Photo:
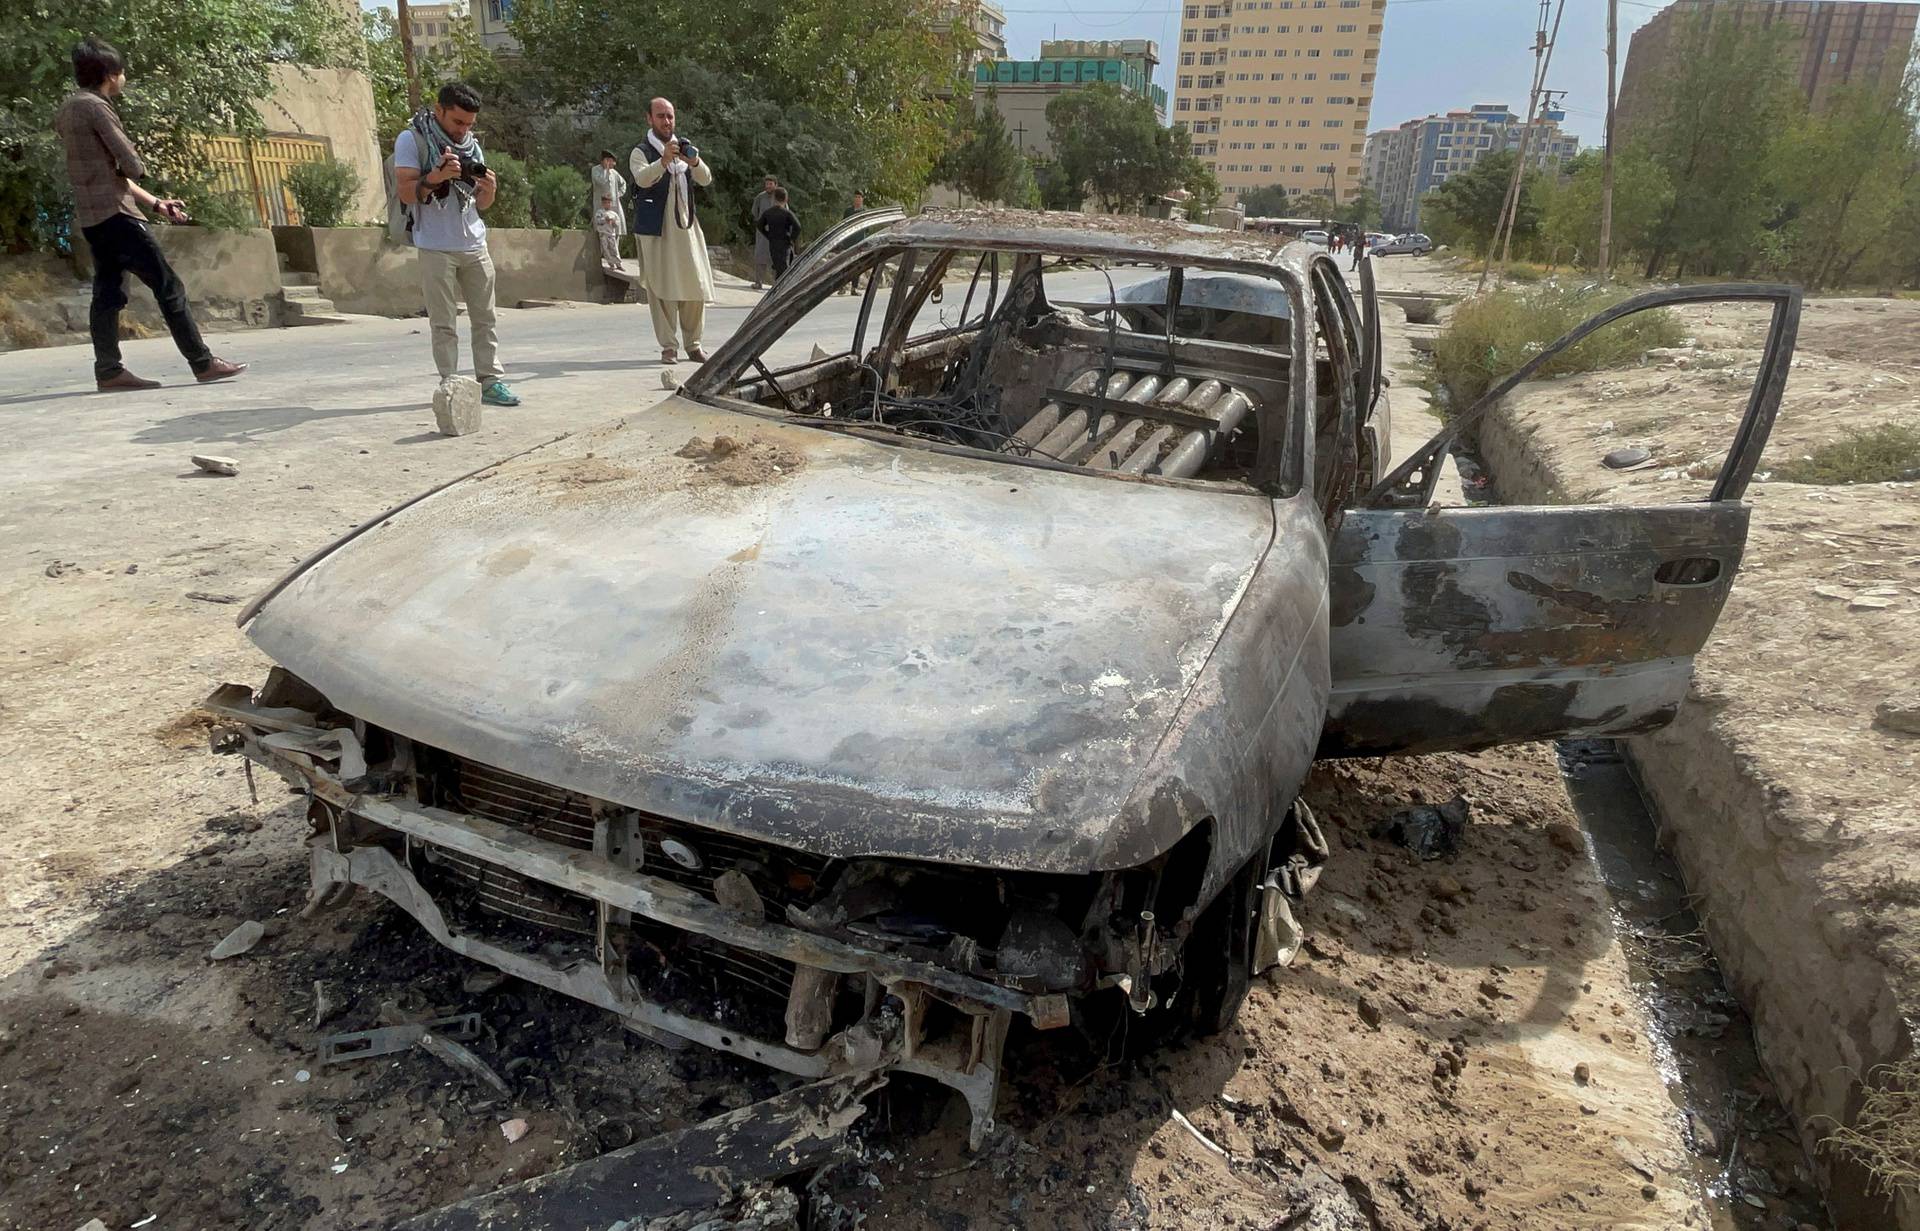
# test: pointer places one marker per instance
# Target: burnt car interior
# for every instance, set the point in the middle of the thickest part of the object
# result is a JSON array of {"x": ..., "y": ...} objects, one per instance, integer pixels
[{"x": 972, "y": 348}]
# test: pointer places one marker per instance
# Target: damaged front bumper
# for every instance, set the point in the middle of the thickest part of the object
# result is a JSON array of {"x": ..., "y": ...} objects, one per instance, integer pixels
[{"x": 908, "y": 1016}]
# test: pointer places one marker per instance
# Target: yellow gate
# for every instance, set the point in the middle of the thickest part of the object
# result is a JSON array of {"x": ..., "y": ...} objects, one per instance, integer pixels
[{"x": 255, "y": 168}]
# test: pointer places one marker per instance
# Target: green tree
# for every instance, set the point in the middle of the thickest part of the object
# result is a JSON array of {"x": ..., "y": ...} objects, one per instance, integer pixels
[
  {"x": 1715, "y": 120},
  {"x": 1267, "y": 202},
  {"x": 560, "y": 197},
  {"x": 981, "y": 158},
  {"x": 1570, "y": 207},
  {"x": 195, "y": 69},
  {"x": 1465, "y": 211},
  {"x": 831, "y": 95},
  {"x": 513, "y": 196},
  {"x": 1110, "y": 145},
  {"x": 1844, "y": 175},
  {"x": 1057, "y": 191},
  {"x": 1362, "y": 210}
]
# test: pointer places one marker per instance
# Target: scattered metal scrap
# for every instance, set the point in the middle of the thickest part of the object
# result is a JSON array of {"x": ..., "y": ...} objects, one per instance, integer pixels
[
  {"x": 386, "y": 1040},
  {"x": 676, "y": 1173}
]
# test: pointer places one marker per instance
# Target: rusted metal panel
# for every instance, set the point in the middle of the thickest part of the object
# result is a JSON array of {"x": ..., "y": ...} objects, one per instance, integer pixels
[
  {"x": 1459, "y": 628},
  {"x": 865, "y": 650},
  {"x": 692, "y": 1169}
]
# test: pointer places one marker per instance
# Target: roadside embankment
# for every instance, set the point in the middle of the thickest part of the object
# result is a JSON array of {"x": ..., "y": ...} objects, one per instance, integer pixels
[{"x": 1787, "y": 802}]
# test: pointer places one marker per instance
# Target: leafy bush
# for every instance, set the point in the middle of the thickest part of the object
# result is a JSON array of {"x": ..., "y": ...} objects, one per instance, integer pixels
[
  {"x": 559, "y": 197},
  {"x": 219, "y": 211},
  {"x": 324, "y": 191},
  {"x": 1885, "y": 453},
  {"x": 1491, "y": 336},
  {"x": 513, "y": 198}
]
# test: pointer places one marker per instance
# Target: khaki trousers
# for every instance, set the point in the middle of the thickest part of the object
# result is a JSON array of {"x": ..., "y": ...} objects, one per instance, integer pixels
[
  {"x": 448, "y": 278},
  {"x": 686, "y": 318}
]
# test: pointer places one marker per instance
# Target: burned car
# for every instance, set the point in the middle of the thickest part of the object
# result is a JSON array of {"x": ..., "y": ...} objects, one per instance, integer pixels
[{"x": 842, "y": 710}]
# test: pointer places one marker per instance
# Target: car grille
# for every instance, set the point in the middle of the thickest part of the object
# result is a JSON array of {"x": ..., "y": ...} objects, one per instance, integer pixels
[{"x": 783, "y": 877}]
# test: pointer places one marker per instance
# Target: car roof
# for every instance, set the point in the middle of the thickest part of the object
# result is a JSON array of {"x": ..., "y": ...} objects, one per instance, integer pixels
[{"x": 1123, "y": 238}]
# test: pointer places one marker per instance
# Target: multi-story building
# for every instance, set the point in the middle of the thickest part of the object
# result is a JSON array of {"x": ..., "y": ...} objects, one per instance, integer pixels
[
  {"x": 983, "y": 20},
  {"x": 432, "y": 28},
  {"x": 1405, "y": 163},
  {"x": 1021, "y": 89},
  {"x": 490, "y": 21},
  {"x": 1278, "y": 91},
  {"x": 1830, "y": 43}
]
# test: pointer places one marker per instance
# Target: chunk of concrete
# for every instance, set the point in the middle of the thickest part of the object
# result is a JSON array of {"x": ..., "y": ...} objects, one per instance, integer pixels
[
  {"x": 216, "y": 465},
  {"x": 456, "y": 406},
  {"x": 1901, "y": 713}
]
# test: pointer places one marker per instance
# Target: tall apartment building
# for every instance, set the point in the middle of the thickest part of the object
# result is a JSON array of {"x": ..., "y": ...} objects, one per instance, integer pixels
[
  {"x": 490, "y": 18},
  {"x": 432, "y": 28},
  {"x": 1278, "y": 91},
  {"x": 1830, "y": 43},
  {"x": 1403, "y": 164},
  {"x": 983, "y": 20}
]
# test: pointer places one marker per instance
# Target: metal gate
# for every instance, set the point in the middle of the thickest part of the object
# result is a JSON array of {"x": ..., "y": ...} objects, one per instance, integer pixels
[{"x": 255, "y": 169}]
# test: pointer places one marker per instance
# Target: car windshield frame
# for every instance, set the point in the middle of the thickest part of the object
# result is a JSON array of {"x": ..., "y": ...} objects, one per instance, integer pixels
[{"x": 1283, "y": 466}]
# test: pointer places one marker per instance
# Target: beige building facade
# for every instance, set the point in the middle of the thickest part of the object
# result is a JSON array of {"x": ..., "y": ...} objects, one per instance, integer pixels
[
  {"x": 1278, "y": 91},
  {"x": 433, "y": 28}
]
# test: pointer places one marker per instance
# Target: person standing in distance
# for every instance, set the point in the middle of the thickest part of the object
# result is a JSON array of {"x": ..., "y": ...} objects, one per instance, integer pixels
[
  {"x": 609, "y": 214},
  {"x": 666, "y": 227},
  {"x": 439, "y": 172},
  {"x": 762, "y": 254},
  {"x": 107, "y": 204}
]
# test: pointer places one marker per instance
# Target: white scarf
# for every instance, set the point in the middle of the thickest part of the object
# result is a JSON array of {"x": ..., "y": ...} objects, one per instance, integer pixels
[{"x": 677, "y": 167}]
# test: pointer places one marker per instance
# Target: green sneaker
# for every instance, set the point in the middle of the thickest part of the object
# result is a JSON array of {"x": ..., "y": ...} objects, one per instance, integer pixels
[{"x": 498, "y": 394}]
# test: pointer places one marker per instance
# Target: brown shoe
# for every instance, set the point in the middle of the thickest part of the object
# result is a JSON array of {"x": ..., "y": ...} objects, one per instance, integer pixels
[
  {"x": 697, "y": 354},
  {"x": 219, "y": 369},
  {"x": 124, "y": 379}
]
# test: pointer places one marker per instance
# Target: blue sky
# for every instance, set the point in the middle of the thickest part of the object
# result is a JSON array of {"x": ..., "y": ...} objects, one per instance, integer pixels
[{"x": 1436, "y": 55}]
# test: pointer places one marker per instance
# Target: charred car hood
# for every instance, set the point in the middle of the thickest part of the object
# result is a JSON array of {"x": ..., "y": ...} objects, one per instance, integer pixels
[{"x": 823, "y": 641}]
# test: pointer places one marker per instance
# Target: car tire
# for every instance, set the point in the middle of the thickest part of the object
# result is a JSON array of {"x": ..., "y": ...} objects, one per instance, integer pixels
[{"x": 1202, "y": 998}]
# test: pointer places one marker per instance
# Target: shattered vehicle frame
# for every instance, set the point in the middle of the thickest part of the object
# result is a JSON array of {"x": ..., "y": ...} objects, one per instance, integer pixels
[{"x": 836, "y": 713}]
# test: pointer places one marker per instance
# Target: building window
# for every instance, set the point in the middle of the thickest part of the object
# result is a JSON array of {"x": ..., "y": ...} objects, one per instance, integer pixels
[
  {"x": 1186, "y": 83},
  {"x": 1343, "y": 51},
  {"x": 1338, "y": 76},
  {"x": 1182, "y": 105},
  {"x": 1346, "y": 29},
  {"x": 1313, "y": 53},
  {"x": 1315, "y": 29},
  {"x": 1186, "y": 59}
]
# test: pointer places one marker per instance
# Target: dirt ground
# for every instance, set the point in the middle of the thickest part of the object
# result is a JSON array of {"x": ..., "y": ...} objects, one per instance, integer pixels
[
  {"x": 1415, "y": 1068},
  {"x": 1416, "y": 1063},
  {"x": 1790, "y": 807}
]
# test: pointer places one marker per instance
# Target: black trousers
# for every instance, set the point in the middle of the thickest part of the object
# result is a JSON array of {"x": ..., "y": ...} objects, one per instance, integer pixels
[
  {"x": 781, "y": 257},
  {"x": 123, "y": 245}
]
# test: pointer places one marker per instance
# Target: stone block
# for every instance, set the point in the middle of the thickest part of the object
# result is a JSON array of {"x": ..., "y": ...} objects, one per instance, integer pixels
[{"x": 456, "y": 406}]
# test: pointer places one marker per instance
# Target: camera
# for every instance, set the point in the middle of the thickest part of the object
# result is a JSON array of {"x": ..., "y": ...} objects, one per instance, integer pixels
[
  {"x": 472, "y": 169},
  {"x": 687, "y": 150}
]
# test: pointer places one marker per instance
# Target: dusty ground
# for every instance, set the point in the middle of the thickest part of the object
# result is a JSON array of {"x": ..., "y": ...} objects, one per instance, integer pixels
[
  {"x": 1415, "y": 1068},
  {"x": 1790, "y": 808}
]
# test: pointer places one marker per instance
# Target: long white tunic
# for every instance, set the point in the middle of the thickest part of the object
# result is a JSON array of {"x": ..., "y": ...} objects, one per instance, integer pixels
[
  {"x": 609, "y": 195},
  {"x": 674, "y": 263}
]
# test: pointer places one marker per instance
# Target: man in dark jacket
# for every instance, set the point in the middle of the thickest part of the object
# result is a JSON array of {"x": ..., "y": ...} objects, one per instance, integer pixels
[
  {"x": 107, "y": 203},
  {"x": 781, "y": 230}
]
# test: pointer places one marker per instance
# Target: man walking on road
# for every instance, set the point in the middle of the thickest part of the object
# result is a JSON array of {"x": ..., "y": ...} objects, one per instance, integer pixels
[
  {"x": 104, "y": 166},
  {"x": 779, "y": 230},
  {"x": 762, "y": 253},
  {"x": 666, "y": 226},
  {"x": 441, "y": 177},
  {"x": 859, "y": 206}
]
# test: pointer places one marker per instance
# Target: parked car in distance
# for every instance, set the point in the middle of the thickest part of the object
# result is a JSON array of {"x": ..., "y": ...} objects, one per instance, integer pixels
[
  {"x": 1315, "y": 236},
  {"x": 1414, "y": 243},
  {"x": 1377, "y": 238}
]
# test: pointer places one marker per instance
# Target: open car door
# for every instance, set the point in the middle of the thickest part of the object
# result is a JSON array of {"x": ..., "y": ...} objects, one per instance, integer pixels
[{"x": 1455, "y": 628}]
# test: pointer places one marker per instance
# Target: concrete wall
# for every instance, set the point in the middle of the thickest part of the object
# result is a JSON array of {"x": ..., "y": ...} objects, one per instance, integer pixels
[
  {"x": 362, "y": 271},
  {"x": 232, "y": 277},
  {"x": 335, "y": 103}
]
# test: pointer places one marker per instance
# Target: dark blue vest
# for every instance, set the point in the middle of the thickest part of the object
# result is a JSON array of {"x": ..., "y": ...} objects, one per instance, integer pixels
[{"x": 650, "y": 204}]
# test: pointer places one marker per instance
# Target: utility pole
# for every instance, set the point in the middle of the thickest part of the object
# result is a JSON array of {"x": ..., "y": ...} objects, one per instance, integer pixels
[
  {"x": 406, "y": 55},
  {"x": 1606, "y": 154},
  {"x": 1542, "y": 57}
]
